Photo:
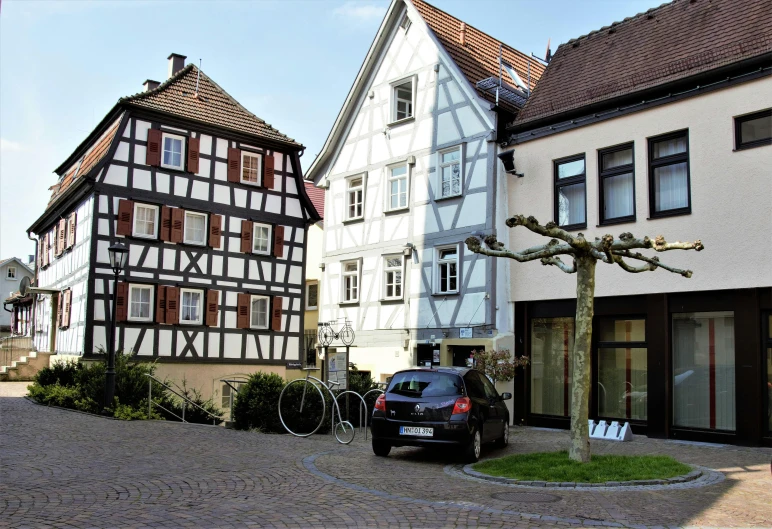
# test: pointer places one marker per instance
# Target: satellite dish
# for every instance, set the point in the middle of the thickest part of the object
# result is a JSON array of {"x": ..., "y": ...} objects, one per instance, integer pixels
[{"x": 24, "y": 286}]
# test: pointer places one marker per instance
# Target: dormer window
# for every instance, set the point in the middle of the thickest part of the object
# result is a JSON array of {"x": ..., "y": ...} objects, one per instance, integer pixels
[
  {"x": 173, "y": 152},
  {"x": 403, "y": 100},
  {"x": 11, "y": 272},
  {"x": 405, "y": 23},
  {"x": 250, "y": 168}
]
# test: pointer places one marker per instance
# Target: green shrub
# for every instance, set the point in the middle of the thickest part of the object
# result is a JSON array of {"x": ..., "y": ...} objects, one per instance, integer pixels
[
  {"x": 256, "y": 403},
  {"x": 128, "y": 413},
  {"x": 62, "y": 373},
  {"x": 57, "y": 395},
  {"x": 192, "y": 413}
]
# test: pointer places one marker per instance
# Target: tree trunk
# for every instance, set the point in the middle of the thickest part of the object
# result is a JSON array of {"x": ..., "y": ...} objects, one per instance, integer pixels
[{"x": 580, "y": 390}]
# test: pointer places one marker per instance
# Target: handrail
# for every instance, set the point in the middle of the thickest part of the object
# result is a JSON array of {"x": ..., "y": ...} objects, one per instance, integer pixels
[
  {"x": 183, "y": 397},
  {"x": 234, "y": 388}
]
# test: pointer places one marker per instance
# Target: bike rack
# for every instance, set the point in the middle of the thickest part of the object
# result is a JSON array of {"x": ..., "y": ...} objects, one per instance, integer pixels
[{"x": 361, "y": 414}]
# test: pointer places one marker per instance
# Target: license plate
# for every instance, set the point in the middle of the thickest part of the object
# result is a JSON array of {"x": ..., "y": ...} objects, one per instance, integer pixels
[{"x": 415, "y": 430}]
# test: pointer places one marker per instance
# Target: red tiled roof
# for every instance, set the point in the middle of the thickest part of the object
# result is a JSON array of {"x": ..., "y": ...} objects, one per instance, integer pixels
[
  {"x": 316, "y": 194},
  {"x": 213, "y": 105},
  {"x": 664, "y": 44}
]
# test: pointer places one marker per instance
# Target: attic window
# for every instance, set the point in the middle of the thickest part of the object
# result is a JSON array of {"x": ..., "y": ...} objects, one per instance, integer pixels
[
  {"x": 515, "y": 78},
  {"x": 405, "y": 23}
]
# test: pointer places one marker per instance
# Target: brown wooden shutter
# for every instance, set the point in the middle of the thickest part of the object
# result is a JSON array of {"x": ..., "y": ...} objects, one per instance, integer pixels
[
  {"x": 172, "y": 305},
  {"x": 215, "y": 230},
  {"x": 125, "y": 217},
  {"x": 44, "y": 255},
  {"x": 59, "y": 310},
  {"x": 193, "y": 149},
  {"x": 165, "y": 233},
  {"x": 178, "y": 222},
  {"x": 278, "y": 241},
  {"x": 268, "y": 173},
  {"x": 234, "y": 161},
  {"x": 246, "y": 236},
  {"x": 121, "y": 301},
  {"x": 160, "y": 305},
  {"x": 212, "y": 298},
  {"x": 61, "y": 236},
  {"x": 71, "y": 233},
  {"x": 276, "y": 314},
  {"x": 67, "y": 305},
  {"x": 242, "y": 314},
  {"x": 153, "y": 153}
]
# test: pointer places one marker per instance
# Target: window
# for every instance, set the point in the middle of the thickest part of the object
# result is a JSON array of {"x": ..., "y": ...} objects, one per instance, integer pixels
[
  {"x": 258, "y": 318},
  {"x": 402, "y": 97},
  {"x": 225, "y": 402},
  {"x": 355, "y": 198},
  {"x": 250, "y": 168},
  {"x": 350, "y": 281},
  {"x": 450, "y": 172},
  {"x": 173, "y": 152},
  {"x": 753, "y": 130},
  {"x": 261, "y": 238},
  {"x": 145, "y": 221},
  {"x": 570, "y": 196},
  {"x": 617, "y": 184},
  {"x": 768, "y": 345},
  {"x": 11, "y": 272},
  {"x": 447, "y": 270},
  {"x": 405, "y": 23},
  {"x": 392, "y": 277},
  {"x": 312, "y": 296},
  {"x": 397, "y": 188},
  {"x": 191, "y": 303},
  {"x": 622, "y": 369},
  {"x": 195, "y": 228},
  {"x": 669, "y": 174},
  {"x": 140, "y": 302},
  {"x": 552, "y": 343}
]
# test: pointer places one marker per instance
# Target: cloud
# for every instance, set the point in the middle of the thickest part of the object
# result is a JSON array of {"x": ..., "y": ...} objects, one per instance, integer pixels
[
  {"x": 10, "y": 146},
  {"x": 360, "y": 11}
]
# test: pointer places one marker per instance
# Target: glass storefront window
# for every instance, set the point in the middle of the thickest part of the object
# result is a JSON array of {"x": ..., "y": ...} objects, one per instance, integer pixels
[
  {"x": 769, "y": 373},
  {"x": 704, "y": 370},
  {"x": 622, "y": 369},
  {"x": 552, "y": 341}
]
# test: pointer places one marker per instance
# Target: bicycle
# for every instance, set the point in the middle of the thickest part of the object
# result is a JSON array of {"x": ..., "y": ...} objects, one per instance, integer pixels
[
  {"x": 343, "y": 430},
  {"x": 327, "y": 335}
]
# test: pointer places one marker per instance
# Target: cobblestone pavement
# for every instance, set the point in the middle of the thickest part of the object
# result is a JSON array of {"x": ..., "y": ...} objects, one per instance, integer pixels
[{"x": 66, "y": 469}]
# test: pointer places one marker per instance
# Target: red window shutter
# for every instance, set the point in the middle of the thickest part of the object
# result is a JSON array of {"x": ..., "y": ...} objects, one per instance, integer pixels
[
  {"x": 212, "y": 298},
  {"x": 121, "y": 301},
  {"x": 67, "y": 305},
  {"x": 61, "y": 236},
  {"x": 178, "y": 221},
  {"x": 172, "y": 305},
  {"x": 160, "y": 305},
  {"x": 242, "y": 314},
  {"x": 234, "y": 163},
  {"x": 125, "y": 217},
  {"x": 268, "y": 173},
  {"x": 246, "y": 236},
  {"x": 153, "y": 153},
  {"x": 60, "y": 310},
  {"x": 215, "y": 230},
  {"x": 276, "y": 314},
  {"x": 193, "y": 149},
  {"x": 165, "y": 233},
  {"x": 278, "y": 241},
  {"x": 71, "y": 233}
]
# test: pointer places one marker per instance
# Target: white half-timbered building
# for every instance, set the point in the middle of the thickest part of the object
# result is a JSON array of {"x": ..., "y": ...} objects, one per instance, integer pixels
[
  {"x": 411, "y": 170},
  {"x": 210, "y": 201}
]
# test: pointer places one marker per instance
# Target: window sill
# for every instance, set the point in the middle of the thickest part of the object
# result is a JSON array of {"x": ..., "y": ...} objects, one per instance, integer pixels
[
  {"x": 259, "y": 328},
  {"x": 391, "y": 301},
  {"x": 574, "y": 227},
  {"x": 312, "y": 308},
  {"x": 173, "y": 168},
  {"x": 349, "y": 303},
  {"x": 666, "y": 214},
  {"x": 400, "y": 122},
  {"x": 760, "y": 143},
  {"x": 397, "y": 211},
  {"x": 449, "y": 197},
  {"x": 621, "y": 220},
  {"x": 251, "y": 184},
  {"x": 442, "y": 294},
  {"x": 193, "y": 244},
  {"x": 354, "y": 221},
  {"x": 144, "y": 237}
]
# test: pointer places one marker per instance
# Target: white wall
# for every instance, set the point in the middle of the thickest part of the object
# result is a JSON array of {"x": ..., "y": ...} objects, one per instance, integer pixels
[{"x": 9, "y": 286}]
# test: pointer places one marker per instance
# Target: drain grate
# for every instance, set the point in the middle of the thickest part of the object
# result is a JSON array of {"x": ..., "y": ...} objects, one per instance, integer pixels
[{"x": 525, "y": 497}]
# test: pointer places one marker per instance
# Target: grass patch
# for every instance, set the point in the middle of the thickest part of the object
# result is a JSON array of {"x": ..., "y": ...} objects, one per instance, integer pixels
[{"x": 555, "y": 466}]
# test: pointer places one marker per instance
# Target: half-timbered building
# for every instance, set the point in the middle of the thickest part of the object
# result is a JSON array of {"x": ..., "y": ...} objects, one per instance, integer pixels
[{"x": 210, "y": 201}]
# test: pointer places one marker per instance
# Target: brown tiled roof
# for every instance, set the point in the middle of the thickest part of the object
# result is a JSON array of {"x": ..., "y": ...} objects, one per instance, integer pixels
[
  {"x": 478, "y": 58},
  {"x": 214, "y": 105},
  {"x": 316, "y": 195},
  {"x": 664, "y": 44}
]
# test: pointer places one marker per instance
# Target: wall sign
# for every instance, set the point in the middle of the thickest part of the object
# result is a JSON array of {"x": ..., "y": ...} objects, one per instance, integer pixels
[{"x": 465, "y": 332}]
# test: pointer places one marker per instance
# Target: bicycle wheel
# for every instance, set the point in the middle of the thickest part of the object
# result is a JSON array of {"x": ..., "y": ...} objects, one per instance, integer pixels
[
  {"x": 344, "y": 432},
  {"x": 347, "y": 335},
  {"x": 301, "y": 407}
]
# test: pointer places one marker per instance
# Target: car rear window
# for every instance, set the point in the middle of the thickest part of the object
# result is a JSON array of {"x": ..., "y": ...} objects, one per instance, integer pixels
[{"x": 426, "y": 384}]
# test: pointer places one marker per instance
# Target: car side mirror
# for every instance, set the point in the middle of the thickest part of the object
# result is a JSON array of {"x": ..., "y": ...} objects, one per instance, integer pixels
[{"x": 506, "y": 396}]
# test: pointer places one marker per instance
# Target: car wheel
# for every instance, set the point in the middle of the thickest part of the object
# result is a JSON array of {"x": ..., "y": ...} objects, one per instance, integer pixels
[
  {"x": 504, "y": 439},
  {"x": 473, "y": 449},
  {"x": 381, "y": 449}
]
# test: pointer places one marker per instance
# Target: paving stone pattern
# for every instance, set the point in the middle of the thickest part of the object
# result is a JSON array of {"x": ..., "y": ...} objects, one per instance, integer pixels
[{"x": 64, "y": 469}]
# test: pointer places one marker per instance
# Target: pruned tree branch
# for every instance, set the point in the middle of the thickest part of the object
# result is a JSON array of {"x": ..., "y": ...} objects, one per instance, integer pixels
[
  {"x": 473, "y": 244},
  {"x": 556, "y": 261},
  {"x": 633, "y": 269},
  {"x": 653, "y": 262},
  {"x": 627, "y": 241}
]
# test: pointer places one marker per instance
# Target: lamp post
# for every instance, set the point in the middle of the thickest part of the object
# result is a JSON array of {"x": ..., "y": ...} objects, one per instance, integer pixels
[{"x": 118, "y": 254}]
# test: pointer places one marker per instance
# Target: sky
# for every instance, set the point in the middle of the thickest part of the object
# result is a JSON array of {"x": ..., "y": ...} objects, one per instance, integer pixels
[{"x": 64, "y": 64}]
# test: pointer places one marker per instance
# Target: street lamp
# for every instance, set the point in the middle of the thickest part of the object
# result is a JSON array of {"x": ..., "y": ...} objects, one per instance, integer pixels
[{"x": 118, "y": 254}]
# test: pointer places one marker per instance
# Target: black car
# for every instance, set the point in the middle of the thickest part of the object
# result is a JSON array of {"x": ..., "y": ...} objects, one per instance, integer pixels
[{"x": 440, "y": 406}]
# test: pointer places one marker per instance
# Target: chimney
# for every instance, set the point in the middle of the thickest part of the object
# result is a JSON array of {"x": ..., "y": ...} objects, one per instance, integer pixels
[
  {"x": 462, "y": 34},
  {"x": 150, "y": 85},
  {"x": 176, "y": 63}
]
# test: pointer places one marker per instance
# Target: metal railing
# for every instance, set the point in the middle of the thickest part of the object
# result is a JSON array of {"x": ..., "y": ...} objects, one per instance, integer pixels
[
  {"x": 185, "y": 402},
  {"x": 235, "y": 388},
  {"x": 13, "y": 348}
]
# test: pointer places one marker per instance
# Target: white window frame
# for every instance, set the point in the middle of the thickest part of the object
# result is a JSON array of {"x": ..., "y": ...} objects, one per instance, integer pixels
[
  {"x": 252, "y": 300},
  {"x": 390, "y": 178},
  {"x": 357, "y": 275},
  {"x": 350, "y": 190},
  {"x": 185, "y": 228},
  {"x": 183, "y": 141},
  {"x": 387, "y": 270},
  {"x": 441, "y": 166},
  {"x": 134, "y": 232},
  {"x": 132, "y": 287},
  {"x": 438, "y": 262},
  {"x": 308, "y": 285},
  {"x": 255, "y": 226},
  {"x": 259, "y": 168},
  {"x": 11, "y": 273},
  {"x": 200, "y": 318},
  {"x": 394, "y": 100}
]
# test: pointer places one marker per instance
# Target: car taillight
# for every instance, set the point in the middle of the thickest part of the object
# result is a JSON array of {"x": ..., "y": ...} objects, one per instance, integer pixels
[
  {"x": 380, "y": 403},
  {"x": 463, "y": 405}
]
